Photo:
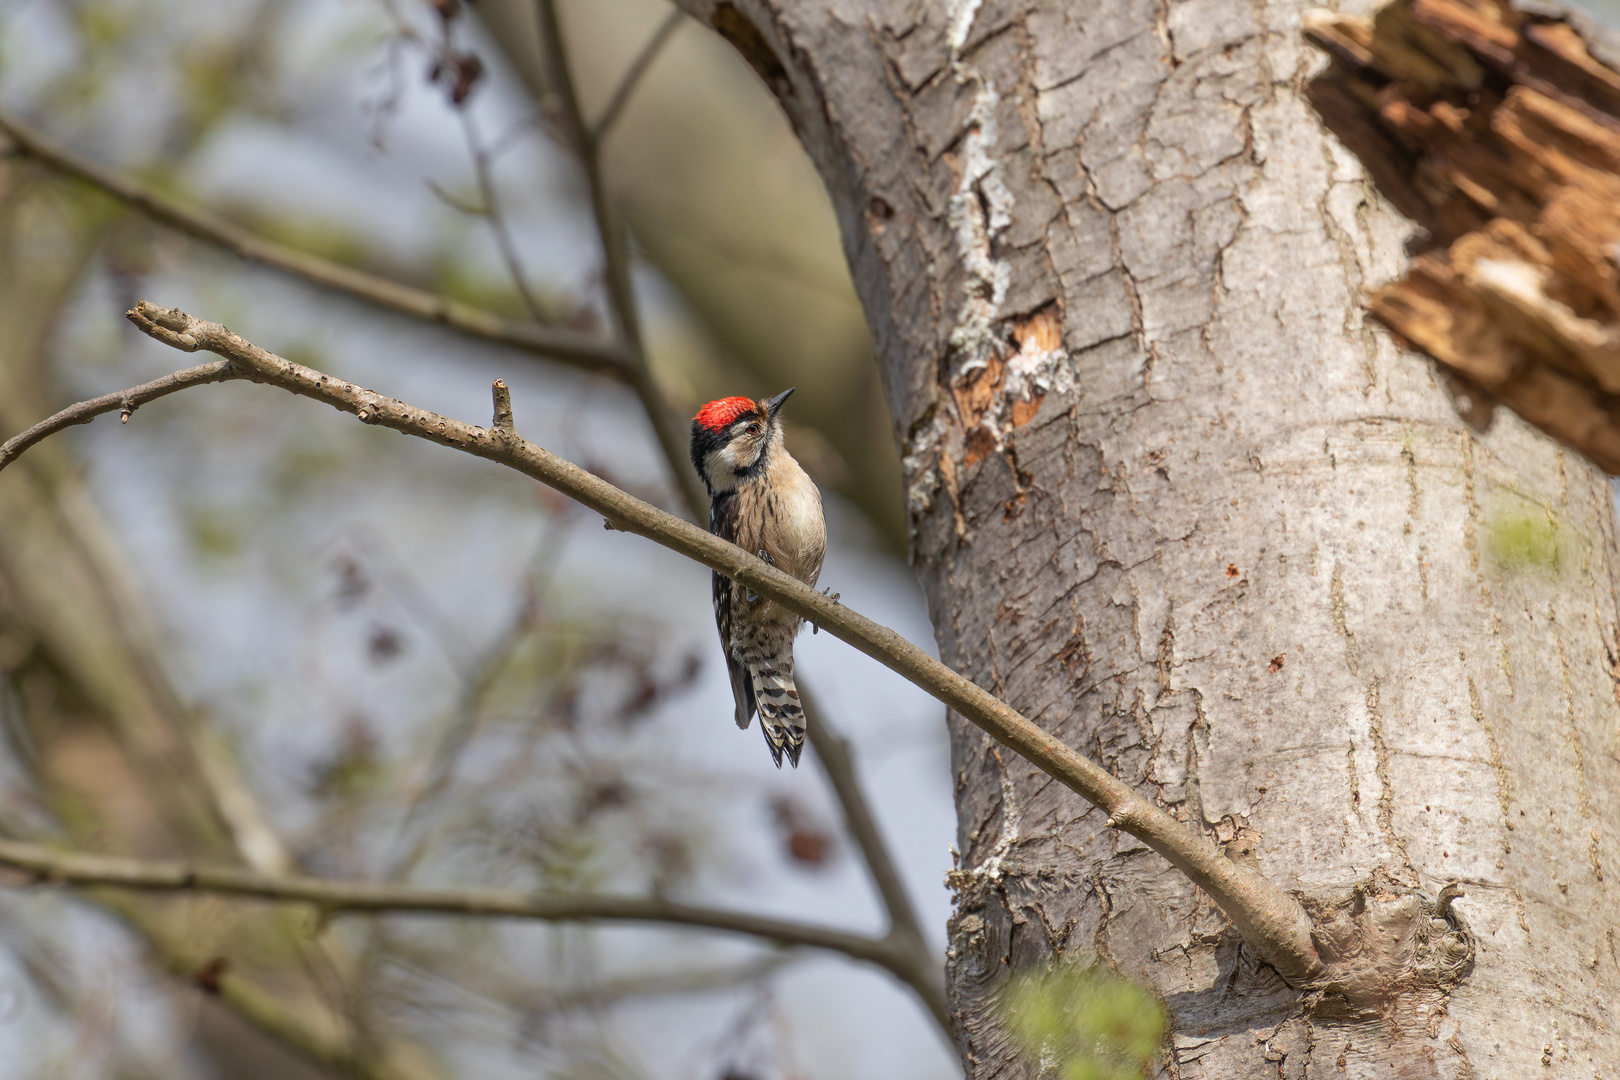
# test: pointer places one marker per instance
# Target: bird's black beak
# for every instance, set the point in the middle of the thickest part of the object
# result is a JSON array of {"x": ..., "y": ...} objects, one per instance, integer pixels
[{"x": 774, "y": 405}]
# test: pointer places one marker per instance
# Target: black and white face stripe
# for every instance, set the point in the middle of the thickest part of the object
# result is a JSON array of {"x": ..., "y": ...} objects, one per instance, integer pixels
[{"x": 726, "y": 458}]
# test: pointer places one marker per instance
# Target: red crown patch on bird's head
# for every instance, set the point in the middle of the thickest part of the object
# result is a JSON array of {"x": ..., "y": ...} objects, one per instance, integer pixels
[{"x": 721, "y": 414}]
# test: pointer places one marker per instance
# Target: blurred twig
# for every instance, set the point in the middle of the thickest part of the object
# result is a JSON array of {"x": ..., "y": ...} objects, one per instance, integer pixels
[
  {"x": 490, "y": 986},
  {"x": 335, "y": 897},
  {"x": 342, "y": 1048},
  {"x": 497, "y": 220},
  {"x": 615, "y": 240},
  {"x": 580, "y": 350},
  {"x": 633, "y": 75},
  {"x": 904, "y": 927},
  {"x": 1271, "y": 920}
]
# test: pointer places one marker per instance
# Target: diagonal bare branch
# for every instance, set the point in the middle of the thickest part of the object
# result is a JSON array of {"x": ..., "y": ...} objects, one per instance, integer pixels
[
  {"x": 571, "y": 347},
  {"x": 1271, "y": 920}
]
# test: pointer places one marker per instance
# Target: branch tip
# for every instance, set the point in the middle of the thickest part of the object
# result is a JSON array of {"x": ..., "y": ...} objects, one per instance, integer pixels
[{"x": 169, "y": 325}]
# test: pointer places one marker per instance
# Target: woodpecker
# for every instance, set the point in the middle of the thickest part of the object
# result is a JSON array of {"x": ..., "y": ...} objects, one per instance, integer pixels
[{"x": 762, "y": 501}]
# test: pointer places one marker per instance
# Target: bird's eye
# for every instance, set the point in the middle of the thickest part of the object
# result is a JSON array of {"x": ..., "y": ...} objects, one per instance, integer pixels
[{"x": 754, "y": 429}]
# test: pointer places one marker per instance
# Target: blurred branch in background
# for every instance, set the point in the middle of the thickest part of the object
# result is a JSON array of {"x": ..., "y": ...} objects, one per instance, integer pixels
[
  {"x": 833, "y": 751},
  {"x": 335, "y": 897},
  {"x": 615, "y": 240},
  {"x": 720, "y": 198},
  {"x": 905, "y": 929},
  {"x": 633, "y": 75},
  {"x": 584, "y": 351},
  {"x": 490, "y": 208},
  {"x": 115, "y": 757}
]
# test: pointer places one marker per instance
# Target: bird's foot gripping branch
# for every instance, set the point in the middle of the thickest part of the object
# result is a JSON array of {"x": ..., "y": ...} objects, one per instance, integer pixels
[{"x": 1325, "y": 947}]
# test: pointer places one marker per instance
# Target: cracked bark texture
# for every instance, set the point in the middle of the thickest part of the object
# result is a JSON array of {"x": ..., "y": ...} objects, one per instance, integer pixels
[{"x": 1171, "y": 496}]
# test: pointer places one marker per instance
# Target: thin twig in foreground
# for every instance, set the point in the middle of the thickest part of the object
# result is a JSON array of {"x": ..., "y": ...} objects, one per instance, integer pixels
[
  {"x": 579, "y": 350},
  {"x": 1272, "y": 921},
  {"x": 124, "y": 402},
  {"x": 386, "y": 898}
]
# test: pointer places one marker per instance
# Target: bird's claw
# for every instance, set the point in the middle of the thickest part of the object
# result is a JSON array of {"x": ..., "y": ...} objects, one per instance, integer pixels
[
  {"x": 815, "y": 628},
  {"x": 765, "y": 556}
]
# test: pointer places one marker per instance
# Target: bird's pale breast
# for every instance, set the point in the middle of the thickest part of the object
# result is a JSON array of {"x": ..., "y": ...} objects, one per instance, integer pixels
[{"x": 783, "y": 517}]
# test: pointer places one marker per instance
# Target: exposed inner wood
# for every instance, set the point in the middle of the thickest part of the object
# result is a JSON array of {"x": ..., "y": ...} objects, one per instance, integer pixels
[{"x": 1497, "y": 131}]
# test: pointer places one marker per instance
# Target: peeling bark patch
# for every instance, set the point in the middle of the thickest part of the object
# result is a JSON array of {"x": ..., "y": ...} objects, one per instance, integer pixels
[
  {"x": 1497, "y": 131},
  {"x": 1024, "y": 356},
  {"x": 1008, "y": 387}
]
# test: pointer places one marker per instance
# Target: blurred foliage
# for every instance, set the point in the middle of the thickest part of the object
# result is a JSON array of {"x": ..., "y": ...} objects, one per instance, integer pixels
[
  {"x": 1518, "y": 539},
  {"x": 1085, "y": 1022},
  {"x": 214, "y": 531}
]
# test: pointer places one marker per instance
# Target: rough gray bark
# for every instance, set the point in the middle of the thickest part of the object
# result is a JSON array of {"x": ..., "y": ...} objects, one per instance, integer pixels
[{"x": 1171, "y": 497}]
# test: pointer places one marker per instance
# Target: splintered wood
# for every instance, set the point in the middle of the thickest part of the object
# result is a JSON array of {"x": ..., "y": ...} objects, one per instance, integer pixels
[{"x": 1497, "y": 131}]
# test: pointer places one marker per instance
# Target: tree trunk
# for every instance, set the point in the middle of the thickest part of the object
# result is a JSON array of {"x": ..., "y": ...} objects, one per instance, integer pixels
[{"x": 1171, "y": 497}]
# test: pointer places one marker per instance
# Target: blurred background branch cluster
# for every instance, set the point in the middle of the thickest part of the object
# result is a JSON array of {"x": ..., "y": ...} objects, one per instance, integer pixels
[{"x": 234, "y": 633}]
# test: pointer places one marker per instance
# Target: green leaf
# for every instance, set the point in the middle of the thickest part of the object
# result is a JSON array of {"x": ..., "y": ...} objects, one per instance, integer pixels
[{"x": 1088, "y": 1023}]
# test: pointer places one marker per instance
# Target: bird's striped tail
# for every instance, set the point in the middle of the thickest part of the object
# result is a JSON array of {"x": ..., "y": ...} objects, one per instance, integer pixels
[{"x": 781, "y": 717}]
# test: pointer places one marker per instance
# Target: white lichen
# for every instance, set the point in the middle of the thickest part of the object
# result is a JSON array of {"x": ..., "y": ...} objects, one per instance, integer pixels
[
  {"x": 980, "y": 208},
  {"x": 1034, "y": 372},
  {"x": 918, "y": 462}
]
